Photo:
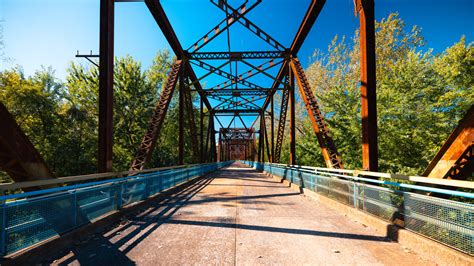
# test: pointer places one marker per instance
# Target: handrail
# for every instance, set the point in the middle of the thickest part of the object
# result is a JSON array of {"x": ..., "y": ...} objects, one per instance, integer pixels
[
  {"x": 78, "y": 178},
  {"x": 418, "y": 179}
]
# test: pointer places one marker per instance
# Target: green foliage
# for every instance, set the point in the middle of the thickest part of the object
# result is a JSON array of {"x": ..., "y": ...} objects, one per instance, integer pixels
[
  {"x": 61, "y": 119},
  {"x": 421, "y": 97}
]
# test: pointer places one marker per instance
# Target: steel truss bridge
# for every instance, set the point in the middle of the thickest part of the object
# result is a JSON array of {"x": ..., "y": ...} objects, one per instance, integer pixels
[{"x": 48, "y": 206}]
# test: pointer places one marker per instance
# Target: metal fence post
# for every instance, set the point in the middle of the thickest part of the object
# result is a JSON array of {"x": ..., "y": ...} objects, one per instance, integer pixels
[
  {"x": 147, "y": 187},
  {"x": 4, "y": 229},
  {"x": 120, "y": 195},
  {"x": 356, "y": 193},
  {"x": 75, "y": 207}
]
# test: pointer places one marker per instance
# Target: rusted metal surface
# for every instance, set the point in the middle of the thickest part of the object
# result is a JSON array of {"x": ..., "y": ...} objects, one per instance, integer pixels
[
  {"x": 281, "y": 124},
  {"x": 236, "y": 55},
  {"x": 201, "y": 129},
  {"x": 224, "y": 6},
  {"x": 18, "y": 157},
  {"x": 181, "y": 107},
  {"x": 291, "y": 81},
  {"x": 328, "y": 148},
  {"x": 224, "y": 24},
  {"x": 149, "y": 140},
  {"x": 272, "y": 129},
  {"x": 455, "y": 160},
  {"x": 365, "y": 8},
  {"x": 310, "y": 17},
  {"x": 106, "y": 82},
  {"x": 235, "y": 143},
  {"x": 162, "y": 20}
]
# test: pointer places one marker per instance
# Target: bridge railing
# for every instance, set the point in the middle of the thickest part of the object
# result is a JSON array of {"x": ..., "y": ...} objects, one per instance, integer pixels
[
  {"x": 31, "y": 217},
  {"x": 423, "y": 209}
]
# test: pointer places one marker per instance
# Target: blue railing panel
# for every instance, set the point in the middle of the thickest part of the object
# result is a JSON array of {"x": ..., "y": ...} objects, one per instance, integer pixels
[{"x": 40, "y": 215}]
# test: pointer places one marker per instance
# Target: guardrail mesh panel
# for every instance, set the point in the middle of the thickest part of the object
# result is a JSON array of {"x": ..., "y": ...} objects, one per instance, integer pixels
[
  {"x": 381, "y": 202},
  {"x": 447, "y": 221},
  {"x": 28, "y": 221},
  {"x": 95, "y": 202},
  {"x": 133, "y": 191},
  {"x": 33, "y": 221}
]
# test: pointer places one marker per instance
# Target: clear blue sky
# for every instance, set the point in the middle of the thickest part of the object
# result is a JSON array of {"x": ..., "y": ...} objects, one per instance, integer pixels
[{"x": 49, "y": 32}]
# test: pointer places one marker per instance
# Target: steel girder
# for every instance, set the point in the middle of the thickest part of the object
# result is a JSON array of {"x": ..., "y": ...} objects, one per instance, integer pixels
[
  {"x": 193, "y": 133},
  {"x": 328, "y": 148},
  {"x": 236, "y": 56},
  {"x": 281, "y": 125},
  {"x": 238, "y": 92},
  {"x": 149, "y": 140},
  {"x": 18, "y": 156}
]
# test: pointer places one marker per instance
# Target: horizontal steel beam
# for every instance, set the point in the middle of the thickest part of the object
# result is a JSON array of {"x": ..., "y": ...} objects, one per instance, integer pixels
[
  {"x": 238, "y": 92},
  {"x": 161, "y": 19},
  {"x": 236, "y": 55},
  {"x": 237, "y": 111}
]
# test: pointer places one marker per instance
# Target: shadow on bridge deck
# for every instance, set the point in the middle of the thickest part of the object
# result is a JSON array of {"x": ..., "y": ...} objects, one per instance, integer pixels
[{"x": 236, "y": 216}]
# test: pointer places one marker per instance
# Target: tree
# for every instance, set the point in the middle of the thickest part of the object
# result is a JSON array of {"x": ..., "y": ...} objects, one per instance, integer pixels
[{"x": 421, "y": 97}]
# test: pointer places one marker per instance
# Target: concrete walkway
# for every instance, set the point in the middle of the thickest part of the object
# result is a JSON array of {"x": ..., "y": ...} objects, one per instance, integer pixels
[{"x": 238, "y": 217}]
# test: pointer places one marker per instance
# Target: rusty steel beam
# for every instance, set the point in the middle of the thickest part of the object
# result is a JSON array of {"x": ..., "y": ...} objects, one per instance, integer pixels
[
  {"x": 231, "y": 78},
  {"x": 248, "y": 74},
  {"x": 223, "y": 25},
  {"x": 237, "y": 111},
  {"x": 310, "y": 17},
  {"x": 201, "y": 129},
  {"x": 266, "y": 139},
  {"x": 158, "y": 13},
  {"x": 291, "y": 81},
  {"x": 147, "y": 145},
  {"x": 213, "y": 141},
  {"x": 230, "y": 101},
  {"x": 281, "y": 124},
  {"x": 260, "y": 140},
  {"x": 224, "y": 6},
  {"x": 181, "y": 107},
  {"x": 454, "y": 159},
  {"x": 236, "y": 56},
  {"x": 242, "y": 104},
  {"x": 193, "y": 133},
  {"x": 328, "y": 148},
  {"x": 261, "y": 71},
  {"x": 238, "y": 92},
  {"x": 365, "y": 8},
  {"x": 106, "y": 81},
  {"x": 272, "y": 130},
  {"x": 18, "y": 156}
]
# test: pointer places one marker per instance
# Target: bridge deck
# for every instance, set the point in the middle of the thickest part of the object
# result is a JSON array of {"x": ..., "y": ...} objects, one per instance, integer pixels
[{"x": 237, "y": 216}]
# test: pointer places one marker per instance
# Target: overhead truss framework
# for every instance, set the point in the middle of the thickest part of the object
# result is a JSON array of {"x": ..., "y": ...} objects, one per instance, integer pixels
[
  {"x": 240, "y": 91},
  {"x": 239, "y": 95}
]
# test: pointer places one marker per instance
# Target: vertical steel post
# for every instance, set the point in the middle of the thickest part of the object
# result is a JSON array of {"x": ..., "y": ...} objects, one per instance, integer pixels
[
  {"x": 106, "y": 81},
  {"x": 291, "y": 81},
  {"x": 272, "y": 128},
  {"x": 260, "y": 145},
  {"x": 368, "y": 84},
  {"x": 181, "y": 119},
  {"x": 201, "y": 128},
  {"x": 212, "y": 139},
  {"x": 219, "y": 148}
]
